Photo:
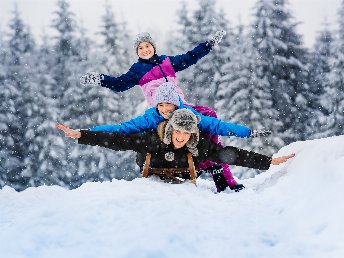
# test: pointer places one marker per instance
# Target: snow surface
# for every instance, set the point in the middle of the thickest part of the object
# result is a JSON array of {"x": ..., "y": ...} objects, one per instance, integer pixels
[{"x": 292, "y": 210}]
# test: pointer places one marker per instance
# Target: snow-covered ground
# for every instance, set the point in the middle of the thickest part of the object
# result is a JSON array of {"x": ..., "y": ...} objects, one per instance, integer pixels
[{"x": 292, "y": 210}]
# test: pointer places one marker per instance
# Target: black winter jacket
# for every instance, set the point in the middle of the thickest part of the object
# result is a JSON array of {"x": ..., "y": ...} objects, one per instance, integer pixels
[{"x": 150, "y": 142}]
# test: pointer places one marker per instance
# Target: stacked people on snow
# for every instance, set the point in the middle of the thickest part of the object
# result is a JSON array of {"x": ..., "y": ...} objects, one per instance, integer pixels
[
  {"x": 172, "y": 141},
  {"x": 151, "y": 70},
  {"x": 166, "y": 100}
]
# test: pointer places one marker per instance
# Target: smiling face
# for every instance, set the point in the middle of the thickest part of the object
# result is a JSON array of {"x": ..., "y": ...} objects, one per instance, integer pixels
[
  {"x": 145, "y": 50},
  {"x": 180, "y": 138},
  {"x": 164, "y": 108}
]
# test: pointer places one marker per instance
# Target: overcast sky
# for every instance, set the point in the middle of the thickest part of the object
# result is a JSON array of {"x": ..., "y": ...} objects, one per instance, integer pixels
[{"x": 159, "y": 16}]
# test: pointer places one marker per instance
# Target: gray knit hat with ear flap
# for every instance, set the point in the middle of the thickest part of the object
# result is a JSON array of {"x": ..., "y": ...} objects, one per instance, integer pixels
[
  {"x": 143, "y": 37},
  {"x": 166, "y": 93},
  {"x": 184, "y": 120}
]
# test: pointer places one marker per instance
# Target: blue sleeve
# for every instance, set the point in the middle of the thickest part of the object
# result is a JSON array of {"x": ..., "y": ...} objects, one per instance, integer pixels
[
  {"x": 121, "y": 83},
  {"x": 181, "y": 62},
  {"x": 150, "y": 120},
  {"x": 216, "y": 126}
]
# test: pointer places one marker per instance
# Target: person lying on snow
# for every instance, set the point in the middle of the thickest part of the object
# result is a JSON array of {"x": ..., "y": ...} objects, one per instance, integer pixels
[
  {"x": 172, "y": 141},
  {"x": 151, "y": 70},
  {"x": 166, "y": 100}
]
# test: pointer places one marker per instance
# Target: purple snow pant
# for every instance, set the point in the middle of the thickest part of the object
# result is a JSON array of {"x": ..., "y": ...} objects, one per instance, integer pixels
[{"x": 207, "y": 111}]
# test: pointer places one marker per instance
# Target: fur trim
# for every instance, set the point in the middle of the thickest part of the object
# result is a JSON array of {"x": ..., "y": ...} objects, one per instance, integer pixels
[
  {"x": 168, "y": 133},
  {"x": 161, "y": 130}
]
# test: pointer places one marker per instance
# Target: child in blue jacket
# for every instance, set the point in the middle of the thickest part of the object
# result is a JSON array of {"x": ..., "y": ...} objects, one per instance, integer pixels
[{"x": 166, "y": 97}]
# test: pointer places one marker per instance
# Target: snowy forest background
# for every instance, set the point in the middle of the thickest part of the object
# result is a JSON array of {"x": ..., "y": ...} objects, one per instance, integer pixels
[{"x": 260, "y": 75}]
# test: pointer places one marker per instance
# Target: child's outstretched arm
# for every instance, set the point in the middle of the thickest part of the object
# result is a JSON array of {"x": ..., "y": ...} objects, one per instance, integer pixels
[
  {"x": 215, "y": 126},
  {"x": 181, "y": 62},
  {"x": 148, "y": 121},
  {"x": 118, "y": 84}
]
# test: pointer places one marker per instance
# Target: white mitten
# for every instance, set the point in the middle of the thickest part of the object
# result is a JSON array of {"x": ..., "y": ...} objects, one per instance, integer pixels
[
  {"x": 216, "y": 39},
  {"x": 91, "y": 78}
]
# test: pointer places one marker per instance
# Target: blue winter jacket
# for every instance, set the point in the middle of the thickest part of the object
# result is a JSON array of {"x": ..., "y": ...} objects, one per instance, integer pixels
[{"x": 151, "y": 119}]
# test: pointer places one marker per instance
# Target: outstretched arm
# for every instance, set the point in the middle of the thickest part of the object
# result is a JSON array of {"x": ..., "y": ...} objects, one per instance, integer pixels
[
  {"x": 115, "y": 141},
  {"x": 181, "y": 62},
  {"x": 235, "y": 156},
  {"x": 118, "y": 84},
  {"x": 239, "y": 157},
  {"x": 150, "y": 120},
  {"x": 215, "y": 126}
]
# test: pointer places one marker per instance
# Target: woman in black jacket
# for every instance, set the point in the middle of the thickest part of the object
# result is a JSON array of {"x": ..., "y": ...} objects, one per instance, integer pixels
[{"x": 172, "y": 141}]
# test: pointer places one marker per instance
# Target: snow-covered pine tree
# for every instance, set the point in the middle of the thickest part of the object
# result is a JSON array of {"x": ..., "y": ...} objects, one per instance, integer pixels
[
  {"x": 73, "y": 101},
  {"x": 116, "y": 43},
  {"x": 201, "y": 81},
  {"x": 46, "y": 145},
  {"x": 336, "y": 81},
  {"x": 7, "y": 115},
  {"x": 107, "y": 107},
  {"x": 283, "y": 62},
  {"x": 117, "y": 54},
  {"x": 204, "y": 23},
  {"x": 18, "y": 92},
  {"x": 222, "y": 56},
  {"x": 109, "y": 33},
  {"x": 180, "y": 43},
  {"x": 245, "y": 98},
  {"x": 133, "y": 97},
  {"x": 321, "y": 121},
  {"x": 66, "y": 51}
]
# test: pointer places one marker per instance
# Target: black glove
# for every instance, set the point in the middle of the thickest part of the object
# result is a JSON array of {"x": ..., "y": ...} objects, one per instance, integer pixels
[
  {"x": 216, "y": 39},
  {"x": 91, "y": 78},
  {"x": 260, "y": 133},
  {"x": 237, "y": 187}
]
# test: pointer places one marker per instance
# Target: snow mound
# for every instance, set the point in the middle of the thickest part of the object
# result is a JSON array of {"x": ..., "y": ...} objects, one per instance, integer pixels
[{"x": 291, "y": 210}]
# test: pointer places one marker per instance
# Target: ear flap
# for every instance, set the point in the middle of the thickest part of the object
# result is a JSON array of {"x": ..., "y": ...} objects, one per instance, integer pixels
[
  {"x": 192, "y": 143},
  {"x": 161, "y": 130},
  {"x": 168, "y": 133}
]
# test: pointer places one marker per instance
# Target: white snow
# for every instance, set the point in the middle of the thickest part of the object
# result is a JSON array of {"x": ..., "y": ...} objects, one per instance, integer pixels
[{"x": 292, "y": 210}]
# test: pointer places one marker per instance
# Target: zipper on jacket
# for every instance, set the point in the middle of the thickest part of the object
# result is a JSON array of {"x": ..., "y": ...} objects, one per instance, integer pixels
[{"x": 163, "y": 73}]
